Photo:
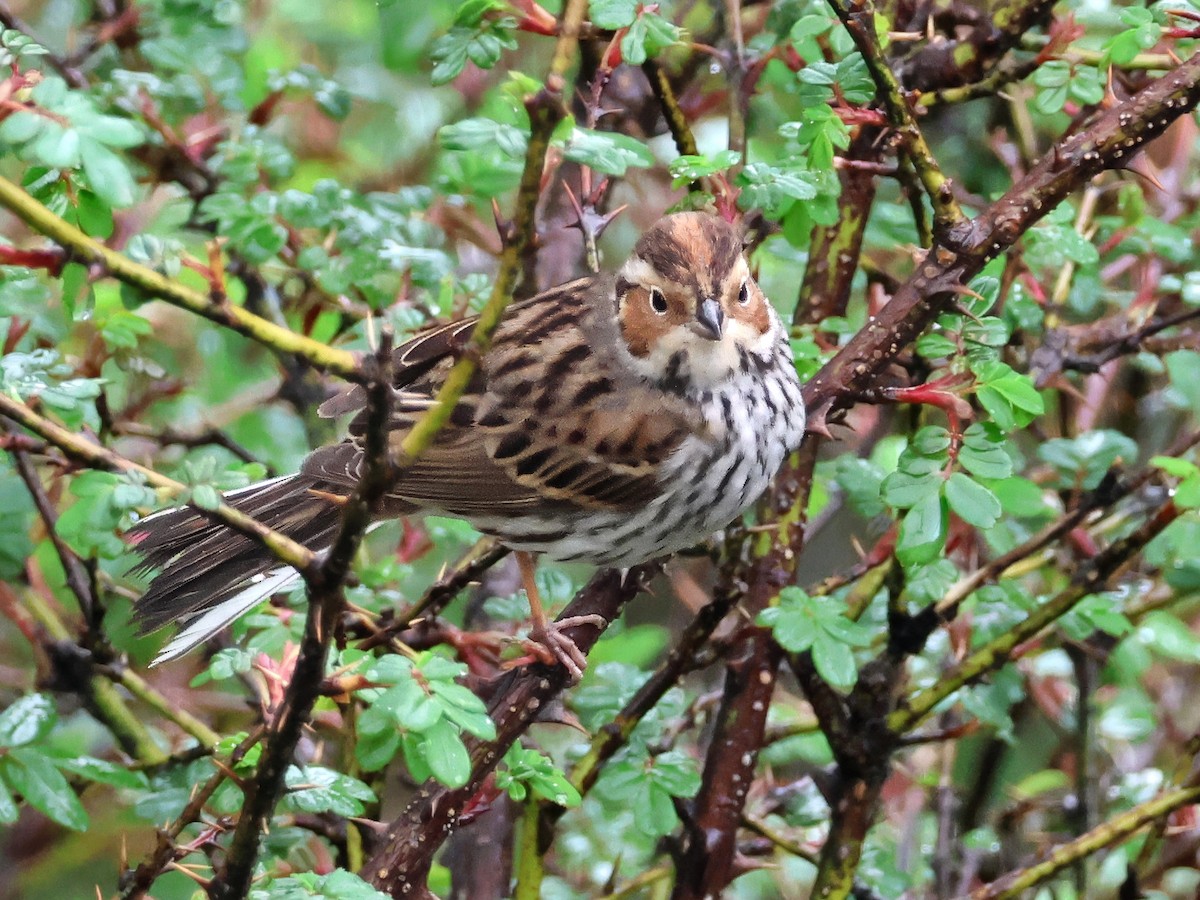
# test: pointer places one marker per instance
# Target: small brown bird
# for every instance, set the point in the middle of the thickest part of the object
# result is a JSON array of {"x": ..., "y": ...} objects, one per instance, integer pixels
[{"x": 615, "y": 419}]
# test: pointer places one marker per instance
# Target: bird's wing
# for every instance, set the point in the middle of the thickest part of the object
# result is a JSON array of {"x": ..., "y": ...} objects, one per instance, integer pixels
[{"x": 548, "y": 420}]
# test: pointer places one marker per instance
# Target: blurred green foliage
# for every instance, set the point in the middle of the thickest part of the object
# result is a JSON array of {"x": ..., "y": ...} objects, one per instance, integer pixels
[{"x": 338, "y": 163}]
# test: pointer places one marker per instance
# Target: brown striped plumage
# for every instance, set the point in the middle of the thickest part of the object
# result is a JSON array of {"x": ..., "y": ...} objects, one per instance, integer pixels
[{"x": 614, "y": 419}]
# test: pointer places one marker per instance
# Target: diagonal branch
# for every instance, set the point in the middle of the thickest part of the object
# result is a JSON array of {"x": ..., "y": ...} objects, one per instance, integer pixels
[
  {"x": 1108, "y": 142},
  {"x": 83, "y": 248},
  {"x": 1090, "y": 579},
  {"x": 546, "y": 110},
  {"x": 1119, "y": 828},
  {"x": 97, "y": 457}
]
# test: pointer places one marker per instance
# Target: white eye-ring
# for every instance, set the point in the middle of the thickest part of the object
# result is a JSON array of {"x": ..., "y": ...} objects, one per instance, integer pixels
[
  {"x": 658, "y": 302},
  {"x": 744, "y": 294}
]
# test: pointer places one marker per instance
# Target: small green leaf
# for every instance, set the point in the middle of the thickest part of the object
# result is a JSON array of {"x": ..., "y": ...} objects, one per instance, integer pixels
[
  {"x": 922, "y": 531},
  {"x": 862, "y": 481},
  {"x": 1173, "y": 465},
  {"x": 27, "y": 720},
  {"x": 648, "y": 35},
  {"x": 103, "y": 772},
  {"x": 800, "y": 622},
  {"x": 336, "y": 885},
  {"x": 983, "y": 451},
  {"x": 935, "y": 345},
  {"x": 676, "y": 772},
  {"x": 1010, "y": 398},
  {"x": 833, "y": 663},
  {"x": 108, "y": 175},
  {"x": 971, "y": 501},
  {"x": 44, "y": 788},
  {"x": 444, "y": 752},
  {"x": 902, "y": 490},
  {"x": 607, "y": 151},
  {"x": 613, "y": 14},
  {"x": 315, "y": 789},
  {"x": 522, "y": 768},
  {"x": 692, "y": 168},
  {"x": 8, "y": 806},
  {"x": 1187, "y": 495}
]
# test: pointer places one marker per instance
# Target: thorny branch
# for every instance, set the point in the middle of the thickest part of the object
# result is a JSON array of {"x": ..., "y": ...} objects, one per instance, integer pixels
[
  {"x": 1107, "y": 142},
  {"x": 326, "y": 601},
  {"x": 954, "y": 259}
]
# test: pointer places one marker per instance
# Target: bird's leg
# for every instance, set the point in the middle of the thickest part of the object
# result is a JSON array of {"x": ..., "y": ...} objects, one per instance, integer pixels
[{"x": 548, "y": 642}]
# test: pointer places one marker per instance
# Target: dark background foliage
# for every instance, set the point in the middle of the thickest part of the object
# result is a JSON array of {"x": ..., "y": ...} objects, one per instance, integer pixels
[{"x": 957, "y": 633}]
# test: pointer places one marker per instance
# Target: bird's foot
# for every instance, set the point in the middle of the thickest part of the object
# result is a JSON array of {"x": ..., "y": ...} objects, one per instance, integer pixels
[{"x": 550, "y": 645}]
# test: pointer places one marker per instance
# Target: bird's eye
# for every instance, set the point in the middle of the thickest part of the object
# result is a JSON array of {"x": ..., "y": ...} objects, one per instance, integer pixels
[
  {"x": 744, "y": 293},
  {"x": 658, "y": 302}
]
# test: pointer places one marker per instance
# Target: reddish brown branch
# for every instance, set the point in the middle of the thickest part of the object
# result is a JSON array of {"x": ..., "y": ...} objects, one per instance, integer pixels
[
  {"x": 709, "y": 858},
  {"x": 1107, "y": 142}
]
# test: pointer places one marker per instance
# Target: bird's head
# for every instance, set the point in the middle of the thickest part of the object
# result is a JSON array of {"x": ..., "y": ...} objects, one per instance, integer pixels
[{"x": 689, "y": 313}]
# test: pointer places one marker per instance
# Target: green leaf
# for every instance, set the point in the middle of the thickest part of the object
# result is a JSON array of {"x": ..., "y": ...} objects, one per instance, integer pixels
[
  {"x": 902, "y": 490},
  {"x": 1023, "y": 498},
  {"x": 8, "y": 806},
  {"x": 1096, "y": 612},
  {"x": 27, "y": 720},
  {"x": 1173, "y": 465},
  {"x": 862, "y": 481},
  {"x": 775, "y": 189},
  {"x": 686, "y": 168},
  {"x": 613, "y": 14},
  {"x": 1167, "y": 636},
  {"x": 522, "y": 768},
  {"x": 648, "y": 36},
  {"x": 1183, "y": 368},
  {"x": 607, "y": 151},
  {"x": 927, "y": 584},
  {"x": 833, "y": 663},
  {"x": 1010, "y": 398},
  {"x": 108, "y": 175},
  {"x": 480, "y": 134},
  {"x": 376, "y": 749},
  {"x": 800, "y": 622},
  {"x": 205, "y": 496},
  {"x": 922, "y": 531},
  {"x": 315, "y": 789},
  {"x": 983, "y": 452},
  {"x": 1084, "y": 460},
  {"x": 336, "y": 885},
  {"x": 444, "y": 752},
  {"x": 935, "y": 345},
  {"x": 1187, "y": 495},
  {"x": 654, "y": 811},
  {"x": 481, "y": 43},
  {"x": 103, "y": 772},
  {"x": 991, "y": 703},
  {"x": 931, "y": 440},
  {"x": 677, "y": 773},
  {"x": 35, "y": 778},
  {"x": 971, "y": 501}
]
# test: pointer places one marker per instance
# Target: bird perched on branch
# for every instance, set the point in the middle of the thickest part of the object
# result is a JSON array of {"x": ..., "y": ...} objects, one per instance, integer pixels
[{"x": 614, "y": 419}]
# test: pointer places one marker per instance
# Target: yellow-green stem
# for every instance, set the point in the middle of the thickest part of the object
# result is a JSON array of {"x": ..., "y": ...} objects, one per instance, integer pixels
[{"x": 83, "y": 248}]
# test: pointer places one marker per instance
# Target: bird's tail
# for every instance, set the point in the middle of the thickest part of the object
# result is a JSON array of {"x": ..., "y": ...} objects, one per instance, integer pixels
[{"x": 208, "y": 574}]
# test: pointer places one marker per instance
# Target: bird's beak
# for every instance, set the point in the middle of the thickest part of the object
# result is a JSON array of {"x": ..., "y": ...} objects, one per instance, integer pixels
[{"x": 711, "y": 318}]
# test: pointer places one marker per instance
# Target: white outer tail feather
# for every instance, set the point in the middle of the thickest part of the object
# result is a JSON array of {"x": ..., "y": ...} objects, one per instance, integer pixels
[{"x": 212, "y": 621}]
